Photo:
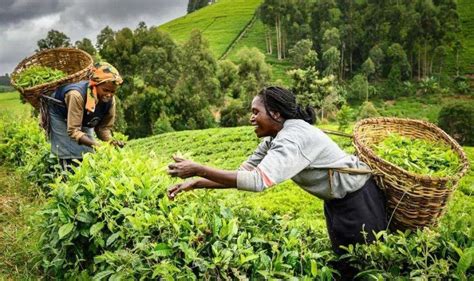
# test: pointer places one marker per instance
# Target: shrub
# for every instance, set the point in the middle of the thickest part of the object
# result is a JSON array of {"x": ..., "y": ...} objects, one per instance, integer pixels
[
  {"x": 367, "y": 110},
  {"x": 344, "y": 117},
  {"x": 234, "y": 114},
  {"x": 457, "y": 120}
]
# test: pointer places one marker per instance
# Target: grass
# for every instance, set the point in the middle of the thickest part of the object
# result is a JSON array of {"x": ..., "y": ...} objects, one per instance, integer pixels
[
  {"x": 11, "y": 102},
  {"x": 220, "y": 23},
  {"x": 18, "y": 248}
]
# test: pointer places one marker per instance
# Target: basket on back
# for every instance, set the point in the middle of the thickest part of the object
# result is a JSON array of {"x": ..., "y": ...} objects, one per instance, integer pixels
[
  {"x": 74, "y": 62},
  {"x": 413, "y": 201}
]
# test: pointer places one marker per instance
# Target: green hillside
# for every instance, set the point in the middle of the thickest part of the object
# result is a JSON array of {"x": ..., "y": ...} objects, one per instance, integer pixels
[
  {"x": 224, "y": 21},
  {"x": 221, "y": 23},
  {"x": 466, "y": 14}
]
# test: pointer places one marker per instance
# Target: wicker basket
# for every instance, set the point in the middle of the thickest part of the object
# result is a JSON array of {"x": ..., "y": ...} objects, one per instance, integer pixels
[
  {"x": 413, "y": 201},
  {"x": 74, "y": 62}
]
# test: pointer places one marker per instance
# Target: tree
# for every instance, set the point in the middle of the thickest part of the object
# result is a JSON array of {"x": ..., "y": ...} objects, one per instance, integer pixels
[
  {"x": 54, "y": 39},
  {"x": 105, "y": 36},
  {"x": 194, "y": 5},
  {"x": 398, "y": 60},
  {"x": 331, "y": 59},
  {"x": 318, "y": 92},
  {"x": 272, "y": 12},
  {"x": 227, "y": 74},
  {"x": 368, "y": 67},
  {"x": 302, "y": 55},
  {"x": 377, "y": 56},
  {"x": 253, "y": 73},
  {"x": 86, "y": 45},
  {"x": 197, "y": 88}
]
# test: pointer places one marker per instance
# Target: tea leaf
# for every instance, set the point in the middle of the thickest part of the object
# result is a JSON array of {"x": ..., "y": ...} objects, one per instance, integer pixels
[{"x": 65, "y": 230}]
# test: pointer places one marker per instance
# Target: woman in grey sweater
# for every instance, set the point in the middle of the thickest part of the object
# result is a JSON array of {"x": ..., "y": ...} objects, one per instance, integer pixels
[{"x": 292, "y": 148}]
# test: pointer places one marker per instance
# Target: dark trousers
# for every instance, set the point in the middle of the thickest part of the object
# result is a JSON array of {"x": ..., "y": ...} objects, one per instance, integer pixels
[{"x": 346, "y": 218}]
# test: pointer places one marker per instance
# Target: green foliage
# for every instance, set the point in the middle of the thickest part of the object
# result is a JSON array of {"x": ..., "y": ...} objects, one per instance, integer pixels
[
  {"x": 235, "y": 114},
  {"x": 113, "y": 219},
  {"x": 419, "y": 156},
  {"x": 302, "y": 54},
  {"x": 322, "y": 93},
  {"x": 23, "y": 145},
  {"x": 429, "y": 86},
  {"x": 368, "y": 67},
  {"x": 227, "y": 74},
  {"x": 197, "y": 87},
  {"x": 37, "y": 75},
  {"x": 456, "y": 119},
  {"x": 194, "y": 5},
  {"x": 162, "y": 125},
  {"x": 86, "y": 45},
  {"x": 344, "y": 117},
  {"x": 54, "y": 39},
  {"x": 254, "y": 73},
  {"x": 358, "y": 89},
  {"x": 367, "y": 110}
]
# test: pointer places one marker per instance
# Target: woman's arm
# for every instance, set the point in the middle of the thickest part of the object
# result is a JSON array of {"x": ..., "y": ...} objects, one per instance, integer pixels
[
  {"x": 185, "y": 169},
  {"x": 193, "y": 184}
]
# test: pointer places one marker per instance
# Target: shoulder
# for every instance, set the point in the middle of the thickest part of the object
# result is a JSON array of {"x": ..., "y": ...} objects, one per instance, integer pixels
[
  {"x": 299, "y": 131},
  {"x": 74, "y": 95}
]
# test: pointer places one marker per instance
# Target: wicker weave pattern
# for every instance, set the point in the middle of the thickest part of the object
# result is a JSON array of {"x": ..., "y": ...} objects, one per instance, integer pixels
[
  {"x": 418, "y": 200},
  {"x": 74, "y": 62}
]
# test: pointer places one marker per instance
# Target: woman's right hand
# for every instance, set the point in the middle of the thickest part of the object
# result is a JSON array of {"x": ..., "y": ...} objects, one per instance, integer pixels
[{"x": 180, "y": 187}]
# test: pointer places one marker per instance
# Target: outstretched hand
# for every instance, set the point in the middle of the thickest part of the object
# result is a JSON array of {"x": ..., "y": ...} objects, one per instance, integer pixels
[
  {"x": 180, "y": 187},
  {"x": 117, "y": 143},
  {"x": 183, "y": 168}
]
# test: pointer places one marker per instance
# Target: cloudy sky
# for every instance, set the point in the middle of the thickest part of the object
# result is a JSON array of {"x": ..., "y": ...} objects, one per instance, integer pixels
[{"x": 24, "y": 22}]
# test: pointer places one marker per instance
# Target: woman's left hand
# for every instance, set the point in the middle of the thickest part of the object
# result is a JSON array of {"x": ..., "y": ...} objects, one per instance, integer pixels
[{"x": 183, "y": 168}]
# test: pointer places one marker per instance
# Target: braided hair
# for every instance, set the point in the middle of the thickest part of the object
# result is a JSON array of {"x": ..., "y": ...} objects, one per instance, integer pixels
[{"x": 276, "y": 99}]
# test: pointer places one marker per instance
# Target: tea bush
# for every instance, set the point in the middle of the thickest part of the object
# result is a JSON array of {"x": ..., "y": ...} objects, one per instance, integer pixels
[
  {"x": 113, "y": 219},
  {"x": 23, "y": 145}
]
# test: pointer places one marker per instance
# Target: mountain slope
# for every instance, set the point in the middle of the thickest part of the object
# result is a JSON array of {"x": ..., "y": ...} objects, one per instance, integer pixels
[{"x": 221, "y": 23}]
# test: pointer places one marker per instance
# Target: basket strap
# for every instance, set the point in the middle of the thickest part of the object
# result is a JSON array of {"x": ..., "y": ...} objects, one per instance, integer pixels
[{"x": 348, "y": 171}]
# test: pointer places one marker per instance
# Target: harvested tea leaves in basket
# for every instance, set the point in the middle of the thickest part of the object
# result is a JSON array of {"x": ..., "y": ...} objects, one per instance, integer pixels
[
  {"x": 418, "y": 156},
  {"x": 37, "y": 75}
]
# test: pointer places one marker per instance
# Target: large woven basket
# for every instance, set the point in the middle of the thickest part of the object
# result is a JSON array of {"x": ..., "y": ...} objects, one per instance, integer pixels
[
  {"x": 413, "y": 201},
  {"x": 74, "y": 62}
]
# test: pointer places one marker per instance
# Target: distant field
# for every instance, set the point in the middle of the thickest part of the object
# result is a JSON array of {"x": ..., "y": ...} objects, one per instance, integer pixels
[
  {"x": 220, "y": 23},
  {"x": 11, "y": 102}
]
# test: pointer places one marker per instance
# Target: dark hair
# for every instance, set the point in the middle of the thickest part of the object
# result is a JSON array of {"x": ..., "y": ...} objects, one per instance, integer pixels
[{"x": 281, "y": 100}]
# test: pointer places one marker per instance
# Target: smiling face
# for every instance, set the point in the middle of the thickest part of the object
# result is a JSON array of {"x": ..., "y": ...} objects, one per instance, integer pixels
[
  {"x": 262, "y": 121},
  {"x": 106, "y": 91}
]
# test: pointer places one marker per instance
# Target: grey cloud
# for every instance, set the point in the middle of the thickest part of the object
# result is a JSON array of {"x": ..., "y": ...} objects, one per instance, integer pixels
[
  {"x": 24, "y": 22},
  {"x": 15, "y": 11}
]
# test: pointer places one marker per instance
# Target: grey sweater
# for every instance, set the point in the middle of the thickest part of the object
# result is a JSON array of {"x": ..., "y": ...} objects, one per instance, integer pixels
[{"x": 303, "y": 153}]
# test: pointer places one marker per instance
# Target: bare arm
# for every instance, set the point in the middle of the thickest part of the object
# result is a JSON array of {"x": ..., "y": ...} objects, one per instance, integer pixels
[{"x": 210, "y": 177}]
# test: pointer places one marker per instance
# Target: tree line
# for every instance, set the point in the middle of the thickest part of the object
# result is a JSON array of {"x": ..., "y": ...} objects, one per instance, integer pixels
[
  {"x": 170, "y": 87},
  {"x": 412, "y": 37}
]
